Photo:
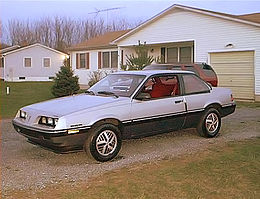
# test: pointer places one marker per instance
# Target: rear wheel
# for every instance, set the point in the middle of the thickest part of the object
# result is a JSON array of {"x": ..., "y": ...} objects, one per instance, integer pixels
[
  {"x": 210, "y": 123},
  {"x": 103, "y": 142}
]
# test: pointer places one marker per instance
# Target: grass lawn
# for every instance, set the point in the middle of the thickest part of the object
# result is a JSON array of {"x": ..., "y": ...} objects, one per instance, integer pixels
[
  {"x": 22, "y": 94},
  {"x": 231, "y": 171},
  {"x": 241, "y": 104}
]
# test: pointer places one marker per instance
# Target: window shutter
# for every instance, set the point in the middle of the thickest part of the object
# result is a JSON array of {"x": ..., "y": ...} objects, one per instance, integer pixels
[
  {"x": 99, "y": 60},
  {"x": 87, "y": 61},
  {"x": 77, "y": 61}
]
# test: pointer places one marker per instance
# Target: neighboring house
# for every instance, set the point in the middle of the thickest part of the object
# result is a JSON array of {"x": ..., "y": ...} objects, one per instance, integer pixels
[
  {"x": 35, "y": 62},
  {"x": 230, "y": 43}
]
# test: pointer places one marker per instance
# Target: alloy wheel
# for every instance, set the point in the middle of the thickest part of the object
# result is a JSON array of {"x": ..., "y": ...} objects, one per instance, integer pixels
[
  {"x": 106, "y": 142},
  {"x": 212, "y": 122}
]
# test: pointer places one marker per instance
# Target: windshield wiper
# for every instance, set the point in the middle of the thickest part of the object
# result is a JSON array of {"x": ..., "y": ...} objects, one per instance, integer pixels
[
  {"x": 108, "y": 93},
  {"x": 89, "y": 92}
]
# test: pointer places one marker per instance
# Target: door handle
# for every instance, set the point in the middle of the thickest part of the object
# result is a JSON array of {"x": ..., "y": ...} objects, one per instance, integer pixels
[{"x": 178, "y": 101}]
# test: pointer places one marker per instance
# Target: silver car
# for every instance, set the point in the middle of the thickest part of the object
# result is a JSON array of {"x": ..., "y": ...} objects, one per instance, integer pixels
[{"x": 125, "y": 105}]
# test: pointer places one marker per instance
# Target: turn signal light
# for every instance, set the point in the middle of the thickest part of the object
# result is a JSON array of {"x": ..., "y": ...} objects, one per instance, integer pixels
[{"x": 232, "y": 98}]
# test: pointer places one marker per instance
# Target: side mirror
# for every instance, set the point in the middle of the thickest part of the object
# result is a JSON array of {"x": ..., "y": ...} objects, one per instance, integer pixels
[{"x": 143, "y": 96}]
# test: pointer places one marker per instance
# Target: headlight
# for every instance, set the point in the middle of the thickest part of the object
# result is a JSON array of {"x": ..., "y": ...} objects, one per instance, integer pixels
[
  {"x": 23, "y": 114},
  {"x": 49, "y": 121}
]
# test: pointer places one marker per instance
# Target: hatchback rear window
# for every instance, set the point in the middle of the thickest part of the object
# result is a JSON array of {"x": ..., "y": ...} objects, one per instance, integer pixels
[{"x": 207, "y": 69}]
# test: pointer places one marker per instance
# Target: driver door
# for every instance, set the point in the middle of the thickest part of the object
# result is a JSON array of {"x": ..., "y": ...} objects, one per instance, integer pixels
[{"x": 164, "y": 111}]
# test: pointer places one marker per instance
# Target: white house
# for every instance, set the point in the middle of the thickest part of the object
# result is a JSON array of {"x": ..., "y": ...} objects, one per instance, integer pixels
[
  {"x": 94, "y": 54},
  {"x": 229, "y": 43},
  {"x": 30, "y": 63}
]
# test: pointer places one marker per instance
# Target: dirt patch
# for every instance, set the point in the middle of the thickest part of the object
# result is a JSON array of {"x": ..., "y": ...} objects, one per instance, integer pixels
[{"x": 25, "y": 166}]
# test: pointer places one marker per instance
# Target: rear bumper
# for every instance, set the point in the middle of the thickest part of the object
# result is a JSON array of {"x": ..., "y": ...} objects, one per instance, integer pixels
[
  {"x": 227, "y": 110},
  {"x": 58, "y": 142}
]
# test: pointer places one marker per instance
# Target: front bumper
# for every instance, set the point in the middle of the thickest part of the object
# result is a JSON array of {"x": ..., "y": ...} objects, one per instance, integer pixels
[{"x": 60, "y": 142}]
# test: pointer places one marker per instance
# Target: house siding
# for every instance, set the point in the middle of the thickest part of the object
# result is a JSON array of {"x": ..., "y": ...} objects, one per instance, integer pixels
[
  {"x": 84, "y": 73},
  {"x": 208, "y": 33},
  {"x": 14, "y": 64}
]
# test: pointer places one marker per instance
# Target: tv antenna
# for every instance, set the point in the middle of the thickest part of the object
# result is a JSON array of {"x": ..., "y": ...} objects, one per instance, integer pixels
[{"x": 104, "y": 10}]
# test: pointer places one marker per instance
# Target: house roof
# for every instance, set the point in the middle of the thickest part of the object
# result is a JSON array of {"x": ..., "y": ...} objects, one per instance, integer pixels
[
  {"x": 30, "y": 46},
  {"x": 102, "y": 41},
  {"x": 254, "y": 17},
  {"x": 251, "y": 19},
  {"x": 8, "y": 49}
]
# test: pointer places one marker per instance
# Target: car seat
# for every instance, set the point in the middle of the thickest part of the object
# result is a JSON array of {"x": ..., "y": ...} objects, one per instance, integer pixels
[{"x": 159, "y": 89}]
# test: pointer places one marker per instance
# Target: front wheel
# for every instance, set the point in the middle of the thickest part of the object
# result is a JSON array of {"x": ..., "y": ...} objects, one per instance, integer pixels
[
  {"x": 103, "y": 143},
  {"x": 210, "y": 123}
]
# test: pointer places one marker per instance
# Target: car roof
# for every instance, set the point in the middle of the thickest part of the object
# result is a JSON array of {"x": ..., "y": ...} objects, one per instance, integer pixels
[{"x": 153, "y": 72}]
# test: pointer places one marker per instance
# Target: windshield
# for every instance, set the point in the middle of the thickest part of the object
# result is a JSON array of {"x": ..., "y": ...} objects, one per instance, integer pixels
[{"x": 118, "y": 84}]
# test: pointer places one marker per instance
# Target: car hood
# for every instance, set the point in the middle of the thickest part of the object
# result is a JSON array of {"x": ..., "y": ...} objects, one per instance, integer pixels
[{"x": 66, "y": 105}]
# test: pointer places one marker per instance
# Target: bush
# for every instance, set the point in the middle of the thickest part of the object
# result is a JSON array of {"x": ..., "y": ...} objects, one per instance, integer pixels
[
  {"x": 65, "y": 83},
  {"x": 95, "y": 76},
  {"x": 140, "y": 60}
]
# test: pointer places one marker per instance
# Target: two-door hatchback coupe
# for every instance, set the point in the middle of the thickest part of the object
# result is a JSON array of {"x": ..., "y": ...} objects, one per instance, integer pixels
[{"x": 125, "y": 105}]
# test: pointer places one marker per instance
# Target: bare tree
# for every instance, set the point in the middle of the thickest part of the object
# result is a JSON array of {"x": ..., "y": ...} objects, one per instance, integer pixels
[{"x": 60, "y": 32}]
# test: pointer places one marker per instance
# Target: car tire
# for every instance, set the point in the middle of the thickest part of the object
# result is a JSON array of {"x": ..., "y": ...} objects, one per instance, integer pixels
[
  {"x": 210, "y": 123},
  {"x": 103, "y": 143}
]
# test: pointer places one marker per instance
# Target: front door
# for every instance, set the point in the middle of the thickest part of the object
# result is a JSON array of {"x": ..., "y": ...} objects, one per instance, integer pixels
[{"x": 164, "y": 111}]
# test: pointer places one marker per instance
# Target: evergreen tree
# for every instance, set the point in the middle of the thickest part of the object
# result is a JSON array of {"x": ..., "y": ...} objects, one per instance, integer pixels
[{"x": 65, "y": 83}]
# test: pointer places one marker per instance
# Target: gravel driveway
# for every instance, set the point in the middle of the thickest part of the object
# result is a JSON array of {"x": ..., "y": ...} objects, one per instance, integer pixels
[{"x": 27, "y": 166}]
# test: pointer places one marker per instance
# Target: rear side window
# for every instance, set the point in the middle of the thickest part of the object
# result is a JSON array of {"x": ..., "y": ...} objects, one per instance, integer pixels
[
  {"x": 193, "y": 84},
  {"x": 207, "y": 69}
]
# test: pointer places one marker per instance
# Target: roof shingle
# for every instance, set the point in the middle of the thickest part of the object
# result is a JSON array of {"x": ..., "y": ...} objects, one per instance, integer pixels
[{"x": 101, "y": 41}]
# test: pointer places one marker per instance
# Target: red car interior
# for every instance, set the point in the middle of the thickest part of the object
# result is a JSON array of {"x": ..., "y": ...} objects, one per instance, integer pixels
[{"x": 160, "y": 90}]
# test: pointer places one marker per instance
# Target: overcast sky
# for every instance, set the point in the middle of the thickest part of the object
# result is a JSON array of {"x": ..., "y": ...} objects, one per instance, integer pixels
[{"x": 131, "y": 9}]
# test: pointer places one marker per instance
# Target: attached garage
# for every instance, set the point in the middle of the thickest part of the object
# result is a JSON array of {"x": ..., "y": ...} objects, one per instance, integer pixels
[{"x": 235, "y": 70}]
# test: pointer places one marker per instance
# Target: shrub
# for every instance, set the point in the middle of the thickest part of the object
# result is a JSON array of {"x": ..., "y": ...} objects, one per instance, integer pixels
[
  {"x": 141, "y": 59},
  {"x": 65, "y": 83},
  {"x": 95, "y": 76}
]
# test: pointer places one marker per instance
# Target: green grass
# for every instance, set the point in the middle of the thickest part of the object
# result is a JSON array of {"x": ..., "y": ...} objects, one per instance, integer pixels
[
  {"x": 241, "y": 104},
  {"x": 229, "y": 172},
  {"x": 22, "y": 94}
]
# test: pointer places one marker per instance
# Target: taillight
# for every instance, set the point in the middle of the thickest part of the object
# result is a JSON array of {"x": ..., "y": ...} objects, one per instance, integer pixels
[{"x": 232, "y": 98}]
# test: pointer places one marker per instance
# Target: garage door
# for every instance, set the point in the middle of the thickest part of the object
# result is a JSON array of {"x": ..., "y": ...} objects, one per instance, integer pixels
[{"x": 235, "y": 70}]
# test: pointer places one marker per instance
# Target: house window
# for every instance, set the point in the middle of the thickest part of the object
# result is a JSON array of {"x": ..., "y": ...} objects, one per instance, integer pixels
[
  {"x": 1, "y": 62},
  {"x": 172, "y": 55},
  {"x": 114, "y": 59},
  {"x": 179, "y": 54},
  {"x": 82, "y": 62},
  {"x": 46, "y": 62},
  {"x": 105, "y": 59},
  {"x": 185, "y": 54},
  {"x": 27, "y": 61},
  {"x": 109, "y": 59}
]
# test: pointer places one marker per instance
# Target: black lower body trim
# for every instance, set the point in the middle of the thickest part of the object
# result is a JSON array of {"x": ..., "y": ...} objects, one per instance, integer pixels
[
  {"x": 57, "y": 142},
  {"x": 227, "y": 110}
]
